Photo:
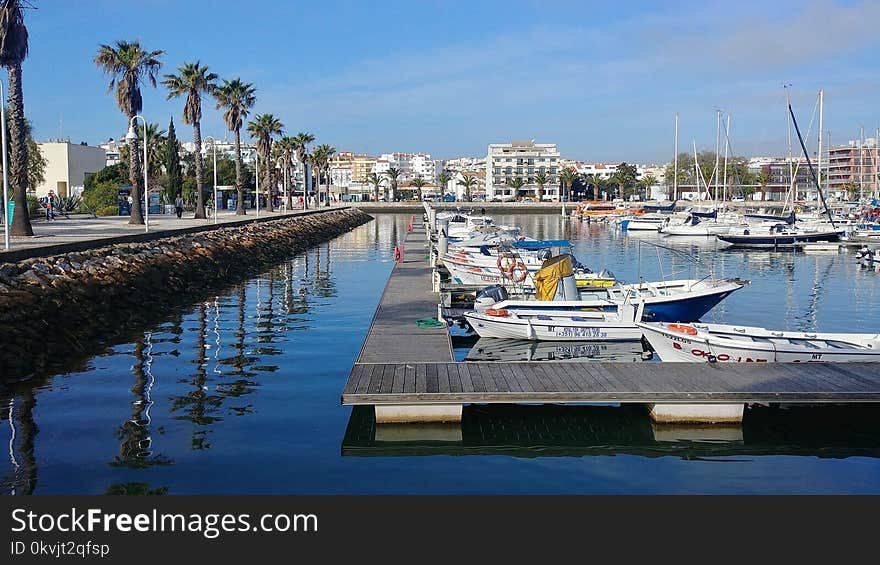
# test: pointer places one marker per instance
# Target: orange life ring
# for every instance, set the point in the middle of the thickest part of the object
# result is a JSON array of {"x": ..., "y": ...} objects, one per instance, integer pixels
[
  {"x": 519, "y": 272},
  {"x": 506, "y": 262},
  {"x": 500, "y": 313},
  {"x": 682, "y": 329}
]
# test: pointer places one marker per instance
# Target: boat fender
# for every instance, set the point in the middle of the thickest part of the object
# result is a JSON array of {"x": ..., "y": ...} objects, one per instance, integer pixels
[
  {"x": 682, "y": 329},
  {"x": 409, "y": 228},
  {"x": 500, "y": 313},
  {"x": 519, "y": 272},
  {"x": 398, "y": 254}
]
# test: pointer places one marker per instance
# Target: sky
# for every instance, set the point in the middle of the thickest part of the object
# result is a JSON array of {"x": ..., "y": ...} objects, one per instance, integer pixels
[{"x": 603, "y": 80}]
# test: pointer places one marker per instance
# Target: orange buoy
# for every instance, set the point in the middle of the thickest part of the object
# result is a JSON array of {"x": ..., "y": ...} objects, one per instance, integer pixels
[
  {"x": 519, "y": 272},
  {"x": 398, "y": 254},
  {"x": 682, "y": 329},
  {"x": 500, "y": 313}
]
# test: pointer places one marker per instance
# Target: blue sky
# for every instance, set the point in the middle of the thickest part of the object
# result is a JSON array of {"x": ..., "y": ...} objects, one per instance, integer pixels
[{"x": 602, "y": 79}]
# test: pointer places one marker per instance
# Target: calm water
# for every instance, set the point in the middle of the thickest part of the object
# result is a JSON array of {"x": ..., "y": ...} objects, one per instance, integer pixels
[{"x": 240, "y": 394}]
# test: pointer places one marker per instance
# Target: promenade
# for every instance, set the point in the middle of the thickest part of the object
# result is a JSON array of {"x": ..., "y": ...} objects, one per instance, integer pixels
[{"x": 82, "y": 231}]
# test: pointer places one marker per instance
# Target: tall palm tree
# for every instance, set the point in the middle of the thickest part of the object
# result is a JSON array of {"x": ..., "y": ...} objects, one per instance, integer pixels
[
  {"x": 264, "y": 128},
  {"x": 301, "y": 143},
  {"x": 128, "y": 64},
  {"x": 156, "y": 148},
  {"x": 392, "y": 174},
  {"x": 284, "y": 149},
  {"x": 376, "y": 181},
  {"x": 14, "y": 50},
  {"x": 541, "y": 179},
  {"x": 193, "y": 80},
  {"x": 763, "y": 179},
  {"x": 567, "y": 176},
  {"x": 419, "y": 183},
  {"x": 443, "y": 180},
  {"x": 468, "y": 181},
  {"x": 238, "y": 98},
  {"x": 320, "y": 159},
  {"x": 516, "y": 184},
  {"x": 648, "y": 182}
]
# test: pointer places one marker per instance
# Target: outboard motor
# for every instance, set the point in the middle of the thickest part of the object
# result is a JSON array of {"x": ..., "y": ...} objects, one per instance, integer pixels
[{"x": 490, "y": 295}]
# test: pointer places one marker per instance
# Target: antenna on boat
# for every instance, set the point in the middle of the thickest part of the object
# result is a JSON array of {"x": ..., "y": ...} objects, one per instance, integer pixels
[{"x": 809, "y": 162}]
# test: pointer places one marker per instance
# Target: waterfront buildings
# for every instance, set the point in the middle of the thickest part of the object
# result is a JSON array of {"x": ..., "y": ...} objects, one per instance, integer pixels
[
  {"x": 853, "y": 170},
  {"x": 67, "y": 165},
  {"x": 506, "y": 162}
]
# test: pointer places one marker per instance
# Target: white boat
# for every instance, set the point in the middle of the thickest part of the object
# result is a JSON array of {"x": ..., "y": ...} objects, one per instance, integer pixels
[
  {"x": 462, "y": 227},
  {"x": 744, "y": 344},
  {"x": 645, "y": 222},
  {"x": 562, "y": 325}
]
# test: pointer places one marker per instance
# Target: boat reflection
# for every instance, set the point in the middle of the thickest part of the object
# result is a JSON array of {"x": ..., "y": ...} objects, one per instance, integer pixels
[
  {"x": 830, "y": 431},
  {"x": 492, "y": 349}
]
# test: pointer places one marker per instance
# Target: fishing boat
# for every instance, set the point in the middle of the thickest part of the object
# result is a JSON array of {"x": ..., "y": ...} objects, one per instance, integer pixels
[
  {"x": 509, "y": 322},
  {"x": 744, "y": 344},
  {"x": 516, "y": 350},
  {"x": 672, "y": 300}
]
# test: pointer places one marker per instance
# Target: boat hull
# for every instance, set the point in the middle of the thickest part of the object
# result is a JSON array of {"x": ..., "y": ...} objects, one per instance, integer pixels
[
  {"x": 771, "y": 241},
  {"x": 552, "y": 330}
]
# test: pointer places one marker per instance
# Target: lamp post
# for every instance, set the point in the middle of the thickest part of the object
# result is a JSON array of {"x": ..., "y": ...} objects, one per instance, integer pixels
[
  {"x": 132, "y": 136},
  {"x": 214, "y": 147},
  {"x": 6, "y": 219},
  {"x": 257, "y": 181}
]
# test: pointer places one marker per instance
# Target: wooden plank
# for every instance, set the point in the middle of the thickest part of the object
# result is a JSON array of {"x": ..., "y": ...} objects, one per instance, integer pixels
[
  {"x": 476, "y": 373},
  {"x": 421, "y": 378},
  {"x": 443, "y": 377},
  {"x": 387, "y": 379},
  {"x": 455, "y": 381},
  {"x": 353, "y": 379},
  {"x": 498, "y": 379},
  {"x": 467, "y": 381},
  {"x": 510, "y": 381},
  {"x": 366, "y": 377},
  {"x": 519, "y": 374},
  {"x": 431, "y": 382},
  {"x": 409, "y": 379},
  {"x": 399, "y": 378},
  {"x": 551, "y": 377},
  {"x": 582, "y": 381}
]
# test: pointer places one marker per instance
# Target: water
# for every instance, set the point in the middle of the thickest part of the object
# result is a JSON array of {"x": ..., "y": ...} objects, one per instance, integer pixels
[{"x": 240, "y": 394}]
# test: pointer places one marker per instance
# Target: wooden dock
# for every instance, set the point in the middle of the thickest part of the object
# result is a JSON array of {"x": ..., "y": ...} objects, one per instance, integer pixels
[{"x": 407, "y": 371}]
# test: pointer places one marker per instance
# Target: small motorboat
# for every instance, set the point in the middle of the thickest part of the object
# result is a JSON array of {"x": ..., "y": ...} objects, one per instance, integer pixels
[
  {"x": 558, "y": 325},
  {"x": 646, "y": 222},
  {"x": 745, "y": 344}
]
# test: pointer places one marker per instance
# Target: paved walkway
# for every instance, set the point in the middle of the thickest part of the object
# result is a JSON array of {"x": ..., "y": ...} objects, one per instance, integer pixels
[{"x": 82, "y": 229}]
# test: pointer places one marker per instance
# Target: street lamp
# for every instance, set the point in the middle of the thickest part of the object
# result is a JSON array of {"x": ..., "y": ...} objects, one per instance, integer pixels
[
  {"x": 257, "y": 181},
  {"x": 5, "y": 172},
  {"x": 214, "y": 147},
  {"x": 132, "y": 136}
]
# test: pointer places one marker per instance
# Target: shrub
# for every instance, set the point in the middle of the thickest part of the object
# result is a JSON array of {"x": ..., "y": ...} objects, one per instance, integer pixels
[
  {"x": 101, "y": 195},
  {"x": 34, "y": 207},
  {"x": 110, "y": 210}
]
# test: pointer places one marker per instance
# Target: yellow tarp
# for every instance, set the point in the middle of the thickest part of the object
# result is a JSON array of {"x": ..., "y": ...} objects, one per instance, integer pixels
[{"x": 548, "y": 276}]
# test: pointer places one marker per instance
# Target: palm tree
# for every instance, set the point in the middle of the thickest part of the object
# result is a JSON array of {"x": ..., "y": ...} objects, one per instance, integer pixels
[
  {"x": 419, "y": 182},
  {"x": 376, "y": 181},
  {"x": 263, "y": 128},
  {"x": 193, "y": 80},
  {"x": 468, "y": 181},
  {"x": 648, "y": 182},
  {"x": 541, "y": 179},
  {"x": 320, "y": 158},
  {"x": 128, "y": 64},
  {"x": 301, "y": 147},
  {"x": 156, "y": 149},
  {"x": 567, "y": 176},
  {"x": 392, "y": 174},
  {"x": 443, "y": 180},
  {"x": 238, "y": 98},
  {"x": 516, "y": 184},
  {"x": 13, "y": 51},
  {"x": 284, "y": 150},
  {"x": 763, "y": 179}
]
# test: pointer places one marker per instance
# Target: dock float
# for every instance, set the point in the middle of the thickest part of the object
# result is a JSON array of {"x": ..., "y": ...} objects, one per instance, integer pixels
[{"x": 407, "y": 372}]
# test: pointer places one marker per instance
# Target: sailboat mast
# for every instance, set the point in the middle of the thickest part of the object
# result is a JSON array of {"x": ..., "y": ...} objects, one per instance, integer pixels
[
  {"x": 717, "y": 153},
  {"x": 697, "y": 171},
  {"x": 810, "y": 166},
  {"x": 675, "y": 166},
  {"x": 790, "y": 156},
  {"x": 819, "y": 158},
  {"x": 861, "y": 163},
  {"x": 726, "y": 151}
]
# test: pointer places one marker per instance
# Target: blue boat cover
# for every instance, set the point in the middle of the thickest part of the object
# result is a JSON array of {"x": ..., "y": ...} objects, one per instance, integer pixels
[{"x": 541, "y": 243}]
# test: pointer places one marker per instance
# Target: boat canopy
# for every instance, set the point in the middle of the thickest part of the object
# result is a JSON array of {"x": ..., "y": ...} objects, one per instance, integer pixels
[
  {"x": 659, "y": 208},
  {"x": 550, "y": 274},
  {"x": 541, "y": 243}
]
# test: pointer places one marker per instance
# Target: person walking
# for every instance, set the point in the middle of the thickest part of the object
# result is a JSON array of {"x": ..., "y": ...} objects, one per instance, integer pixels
[
  {"x": 50, "y": 206},
  {"x": 178, "y": 206}
]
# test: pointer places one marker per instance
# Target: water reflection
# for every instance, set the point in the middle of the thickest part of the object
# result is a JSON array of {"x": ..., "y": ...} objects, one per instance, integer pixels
[
  {"x": 580, "y": 431},
  {"x": 513, "y": 350}
]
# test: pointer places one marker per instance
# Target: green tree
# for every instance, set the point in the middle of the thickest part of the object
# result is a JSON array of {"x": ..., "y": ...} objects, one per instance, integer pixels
[
  {"x": 647, "y": 182},
  {"x": 264, "y": 128},
  {"x": 301, "y": 144},
  {"x": 468, "y": 181},
  {"x": 13, "y": 51},
  {"x": 419, "y": 183},
  {"x": 284, "y": 150},
  {"x": 516, "y": 184},
  {"x": 193, "y": 80},
  {"x": 392, "y": 174},
  {"x": 237, "y": 98},
  {"x": 443, "y": 181},
  {"x": 763, "y": 179},
  {"x": 624, "y": 177},
  {"x": 376, "y": 181},
  {"x": 541, "y": 179},
  {"x": 567, "y": 176},
  {"x": 174, "y": 183},
  {"x": 128, "y": 65},
  {"x": 320, "y": 160}
]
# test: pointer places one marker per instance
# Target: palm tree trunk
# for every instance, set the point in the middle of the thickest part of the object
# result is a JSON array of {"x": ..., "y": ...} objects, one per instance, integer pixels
[
  {"x": 302, "y": 162},
  {"x": 239, "y": 188},
  {"x": 288, "y": 176},
  {"x": 21, "y": 222},
  {"x": 268, "y": 183},
  {"x": 136, "y": 178},
  {"x": 200, "y": 168}
]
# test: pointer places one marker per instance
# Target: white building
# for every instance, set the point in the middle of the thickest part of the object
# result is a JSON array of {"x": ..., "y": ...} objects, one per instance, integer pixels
[
  {"x": 524, "y": 160},
  {"x": 112, "y": 149},
  {"x": 410, "y": 165},
  {"x": 67, "y": 165}
]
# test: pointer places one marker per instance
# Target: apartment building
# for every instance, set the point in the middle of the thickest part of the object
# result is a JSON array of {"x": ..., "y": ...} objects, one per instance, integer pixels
[
  {"x": 854, "y": 168},
  {"x": 524, "y": 160}
]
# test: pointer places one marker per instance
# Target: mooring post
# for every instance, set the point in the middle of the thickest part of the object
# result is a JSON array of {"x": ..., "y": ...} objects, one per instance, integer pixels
[
  {"x": 719, "y": 413},
  {"x": 427, "y": 413}
]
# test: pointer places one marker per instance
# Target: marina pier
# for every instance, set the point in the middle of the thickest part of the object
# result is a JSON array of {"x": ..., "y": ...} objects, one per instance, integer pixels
[{"x": 408, "y": 374}]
